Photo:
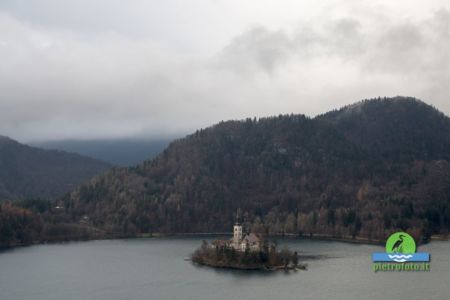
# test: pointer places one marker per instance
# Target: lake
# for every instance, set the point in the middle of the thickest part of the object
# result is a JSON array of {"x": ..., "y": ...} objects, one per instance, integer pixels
[{"x": 156, "y": 269}]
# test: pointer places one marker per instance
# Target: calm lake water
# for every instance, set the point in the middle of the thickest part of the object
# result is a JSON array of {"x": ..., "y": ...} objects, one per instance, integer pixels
[{"x": 156, "y": 269}]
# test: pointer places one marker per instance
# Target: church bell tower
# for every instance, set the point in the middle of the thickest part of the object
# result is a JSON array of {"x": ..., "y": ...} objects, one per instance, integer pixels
[{"x": 237, "y": 231}]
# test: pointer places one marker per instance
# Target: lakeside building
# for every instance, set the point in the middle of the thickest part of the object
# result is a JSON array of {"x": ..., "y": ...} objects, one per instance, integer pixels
[{"x": 240, "y": 242}]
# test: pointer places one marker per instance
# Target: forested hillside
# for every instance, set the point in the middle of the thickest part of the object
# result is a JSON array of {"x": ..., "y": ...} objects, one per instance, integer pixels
[
  {"x": 32, "y": 172},
  {"x": 362, "y": 171},
  {"x": 25, "y": 222}
]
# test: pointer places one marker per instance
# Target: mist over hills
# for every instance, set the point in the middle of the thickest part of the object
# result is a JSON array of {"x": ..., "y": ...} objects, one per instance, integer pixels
[
  {"x": 361, "y": 171},
  {"x": 119, "y": 152},
  {"x": 29, "y": 172}
]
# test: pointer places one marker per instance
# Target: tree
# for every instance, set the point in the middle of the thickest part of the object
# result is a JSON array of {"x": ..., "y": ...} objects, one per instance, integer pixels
[
  {"x": 289, "y": 226},
  {"x": 295, "y": 259},
  {"x": 285, "y": 256},
  {"x": 331, "y": 217},
  {"x": 204, "y": 245}
]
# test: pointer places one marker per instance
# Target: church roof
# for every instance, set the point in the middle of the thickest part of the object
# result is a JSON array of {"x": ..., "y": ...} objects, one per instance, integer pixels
[{"x": 252, "y": 238}]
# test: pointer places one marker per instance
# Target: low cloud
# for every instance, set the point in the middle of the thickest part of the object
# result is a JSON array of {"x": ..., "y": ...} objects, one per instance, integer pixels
[{"x": 61, "y": 84}]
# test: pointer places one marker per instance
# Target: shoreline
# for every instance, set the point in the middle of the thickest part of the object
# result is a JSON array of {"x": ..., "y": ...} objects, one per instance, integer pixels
[
  {"x": 302, "y": 267},
  {"x": 317, "y": 237}
]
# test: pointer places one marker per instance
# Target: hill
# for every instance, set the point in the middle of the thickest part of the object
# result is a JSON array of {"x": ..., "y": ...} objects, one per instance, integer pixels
[
  {"x": 119, "y": 152},
  {"x": 32, "y": 172},
  {"x": 362, "y": 171},
  {"x": 399, "y": 128}
]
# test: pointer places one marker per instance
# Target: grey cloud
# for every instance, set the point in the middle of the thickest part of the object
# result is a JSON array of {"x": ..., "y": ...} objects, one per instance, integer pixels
[
  {"x": 257, "y": 48},
  {"x": 403, "y": 48},
  {"x": 346, "y": 38},
  {"x": 61, "y": 84}
]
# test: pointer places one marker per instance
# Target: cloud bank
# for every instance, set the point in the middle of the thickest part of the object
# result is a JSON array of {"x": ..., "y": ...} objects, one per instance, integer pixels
[{"x": 67, "y": 79}]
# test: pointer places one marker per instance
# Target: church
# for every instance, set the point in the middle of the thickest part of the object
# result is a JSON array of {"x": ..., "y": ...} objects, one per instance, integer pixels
[{"x": 251, "y": 241}]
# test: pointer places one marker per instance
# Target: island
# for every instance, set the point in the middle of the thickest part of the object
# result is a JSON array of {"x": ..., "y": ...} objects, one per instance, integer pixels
[{"x": 249, "y": 252}]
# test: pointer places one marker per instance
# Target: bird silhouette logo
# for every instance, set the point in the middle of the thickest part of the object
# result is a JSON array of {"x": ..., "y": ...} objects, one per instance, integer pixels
[
  {"x": 400, "y": 242},
  {"x": 400, "y": 246},
  {"x": 397, "y": 247}
]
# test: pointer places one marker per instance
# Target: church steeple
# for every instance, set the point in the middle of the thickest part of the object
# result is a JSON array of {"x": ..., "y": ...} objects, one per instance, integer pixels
[
  {"x": 237, "y": 230},
  {"x": 238, "y": 217}
]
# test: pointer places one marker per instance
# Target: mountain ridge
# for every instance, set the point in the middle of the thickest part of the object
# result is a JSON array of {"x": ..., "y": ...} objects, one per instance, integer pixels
[{"x": 364, "y": 176}]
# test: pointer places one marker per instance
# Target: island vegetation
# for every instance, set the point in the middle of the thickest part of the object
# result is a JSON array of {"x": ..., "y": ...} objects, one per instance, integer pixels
[{"x": 267, "y": 258}]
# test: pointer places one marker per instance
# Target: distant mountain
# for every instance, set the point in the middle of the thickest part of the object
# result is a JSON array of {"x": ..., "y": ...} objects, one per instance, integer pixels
[
  {"x": 120, "y": 152},
  {"x": 361, "y": 171},
  {"x": 31, "y": 172}
]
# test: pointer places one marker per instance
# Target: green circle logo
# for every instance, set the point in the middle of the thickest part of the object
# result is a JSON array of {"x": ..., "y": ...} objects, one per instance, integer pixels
[{"x": 400, "y": 242}]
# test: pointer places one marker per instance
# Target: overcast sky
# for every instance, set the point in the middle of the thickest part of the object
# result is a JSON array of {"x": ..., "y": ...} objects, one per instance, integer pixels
[{"x": 84, "y": 69}]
